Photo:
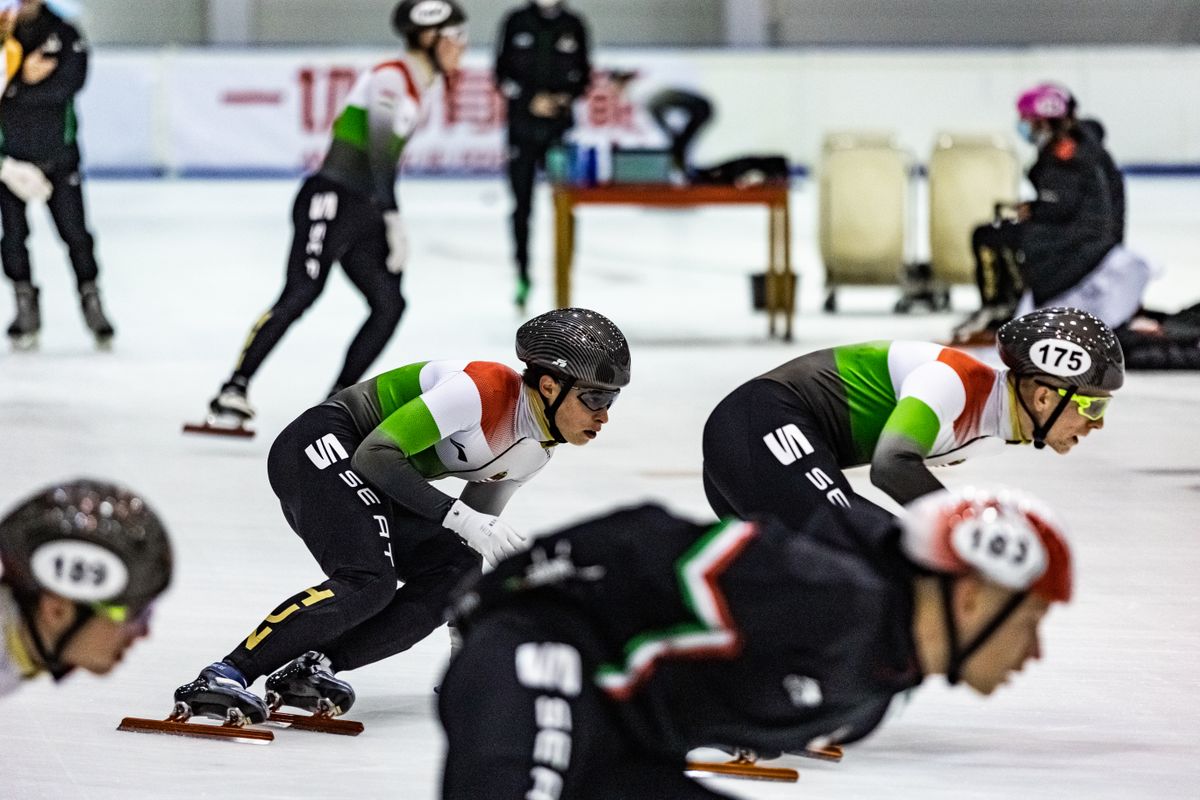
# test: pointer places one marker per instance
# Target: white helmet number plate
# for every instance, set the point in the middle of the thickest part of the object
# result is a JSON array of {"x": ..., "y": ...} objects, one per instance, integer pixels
[
  {"x": 80, "y": 571},
  {"x": 1059, "y": 357}
]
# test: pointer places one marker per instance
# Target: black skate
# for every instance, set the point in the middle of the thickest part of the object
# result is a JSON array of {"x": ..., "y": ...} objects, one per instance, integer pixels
[
  {"x": 228, "y": 412},
  {"x": 309, "y": 684},
  {"x": 220, "y": 693},
  {"x": 93, "y": 316},
  {"x": 23, "y": 332}
]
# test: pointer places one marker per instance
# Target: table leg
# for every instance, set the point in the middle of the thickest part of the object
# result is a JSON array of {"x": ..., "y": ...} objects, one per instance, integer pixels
[
  {"x": 564, "y": 248},
  {"x": 771, "y": 281},
  {"x": 789, "y": 281}
]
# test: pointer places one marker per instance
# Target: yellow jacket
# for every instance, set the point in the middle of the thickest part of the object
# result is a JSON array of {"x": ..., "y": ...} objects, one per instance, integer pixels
[{"x": 12, "y": 60}]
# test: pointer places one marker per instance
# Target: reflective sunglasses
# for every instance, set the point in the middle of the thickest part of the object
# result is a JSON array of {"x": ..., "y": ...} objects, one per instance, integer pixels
[
  {"x": 596, "y": 399},
  {"x": 1092, "y": 408},
  {"x": 121, "y": 614}
]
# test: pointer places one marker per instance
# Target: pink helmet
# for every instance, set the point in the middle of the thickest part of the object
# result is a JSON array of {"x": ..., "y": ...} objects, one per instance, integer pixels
[{"x": 1045, "y": 101}]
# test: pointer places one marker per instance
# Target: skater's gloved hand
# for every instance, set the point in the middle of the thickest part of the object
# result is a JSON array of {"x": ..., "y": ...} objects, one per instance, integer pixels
[
  {"x": 490, "y": 536},
  {"x": 397, "y": 239},
  {"x": 25, "y": 180}
]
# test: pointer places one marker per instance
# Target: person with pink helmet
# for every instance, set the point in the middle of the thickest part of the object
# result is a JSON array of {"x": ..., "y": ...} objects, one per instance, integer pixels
[{"x": 1055, "y": 240}]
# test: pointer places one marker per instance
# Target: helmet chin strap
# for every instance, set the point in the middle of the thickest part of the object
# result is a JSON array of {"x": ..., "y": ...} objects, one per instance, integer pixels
[
  {"x": 551, "y": 408},
  {"x": 51, "y": 655},
  {"x": 1041, "y": 429},
  {"x": 959, "y": 654}
]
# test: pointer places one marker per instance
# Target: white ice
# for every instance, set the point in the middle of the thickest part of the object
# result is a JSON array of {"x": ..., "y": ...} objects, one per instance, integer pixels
[{"x": 1113, "y": 710}]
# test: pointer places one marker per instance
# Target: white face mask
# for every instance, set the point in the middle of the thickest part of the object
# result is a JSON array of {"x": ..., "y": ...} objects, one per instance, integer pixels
[{"x": 548, "y": 5}]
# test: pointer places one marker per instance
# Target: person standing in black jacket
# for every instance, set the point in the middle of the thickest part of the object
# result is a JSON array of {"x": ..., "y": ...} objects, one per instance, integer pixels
[
  {"x": 594, "y": 662},
  {"x": 40, "y": 126},
  {"x": 542, "y": 67}
]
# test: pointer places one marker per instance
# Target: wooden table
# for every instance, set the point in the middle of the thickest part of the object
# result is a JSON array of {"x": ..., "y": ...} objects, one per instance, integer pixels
[{"x": 780, "y": 280}]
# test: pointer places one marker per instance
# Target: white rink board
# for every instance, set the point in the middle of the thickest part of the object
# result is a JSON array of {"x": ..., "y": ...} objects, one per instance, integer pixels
[
  {"x": 189, "y": 110},
  {"x": 1113, "y": 711}
]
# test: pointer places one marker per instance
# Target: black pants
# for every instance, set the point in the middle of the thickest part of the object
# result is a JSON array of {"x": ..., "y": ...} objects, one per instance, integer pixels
[
  {"x": 332, "y": 224},
  {"x": 66, "y": 209},
  {"x": 764, "y": 455},
  {"x": 364, "y": 544},
  {"x": 666, "y": 106},
  {"x": 527, "y": 146},
  {"x": 997, "y": 263},
  {"x": 525, "y": 721}
]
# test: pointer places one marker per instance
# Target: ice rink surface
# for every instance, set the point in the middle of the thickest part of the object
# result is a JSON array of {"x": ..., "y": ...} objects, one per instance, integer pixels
[{"x": 1113, "y": 710}]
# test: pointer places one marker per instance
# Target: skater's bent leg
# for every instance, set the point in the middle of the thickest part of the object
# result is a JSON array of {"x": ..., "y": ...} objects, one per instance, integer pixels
[
  {"x": 320, "y": 231},
  {"x": 342, "y": 531},
  {"x": 365, "y": 265},
  {"x": 430, "y": 573}
]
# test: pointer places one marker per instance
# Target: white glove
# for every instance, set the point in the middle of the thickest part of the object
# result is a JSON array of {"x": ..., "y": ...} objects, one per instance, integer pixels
[
  {"x": 490, "y": 536},
  {"x": 25, "y": 180},
  {"x": 397, "y": 239}
]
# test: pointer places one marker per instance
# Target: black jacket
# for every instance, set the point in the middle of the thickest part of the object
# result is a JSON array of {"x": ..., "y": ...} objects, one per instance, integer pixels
[
  {"x": 1075, "y": 219},
  {"x": 38, "y": 121},
  {"x": 541, "y": 54},
  {"x": 823, "y": 618}
]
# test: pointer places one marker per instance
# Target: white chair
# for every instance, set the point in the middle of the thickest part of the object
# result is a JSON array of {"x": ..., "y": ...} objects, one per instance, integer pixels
[
  {"x": 864, "y": 197},
  {"x": 968, "y": 175}
]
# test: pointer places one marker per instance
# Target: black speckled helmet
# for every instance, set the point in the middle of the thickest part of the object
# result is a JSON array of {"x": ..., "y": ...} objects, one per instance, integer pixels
[
  {"x": 577, "y": 343},
  {"x": 89, "y": 541},
  {"x": 1066, "y": 344}
]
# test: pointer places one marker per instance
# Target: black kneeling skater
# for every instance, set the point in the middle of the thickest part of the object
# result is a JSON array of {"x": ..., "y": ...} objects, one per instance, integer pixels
[{"x": 592, "y": 664}]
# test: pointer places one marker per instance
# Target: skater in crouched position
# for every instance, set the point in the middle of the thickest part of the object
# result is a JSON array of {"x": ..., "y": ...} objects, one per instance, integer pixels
[
  {"x": 82, "y": 561},
  {"x": 347, "y": 212},
  {"x": 592, "y": 664},
  {"x": 353, "y": 476},
  {"x": 778, "y": 443}
]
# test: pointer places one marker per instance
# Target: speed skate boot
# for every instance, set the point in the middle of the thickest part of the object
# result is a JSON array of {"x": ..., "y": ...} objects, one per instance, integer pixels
[
  {"x": 230, "y": 405},
  {"x": 23, "y": 333},
  {"x": 308, "y": 683},
  {"x": 522, "y": 295},
  {"x": 220, "y": 693},
  {"x": 93, "y": 315},
  {"x": 980, "y": 328}
]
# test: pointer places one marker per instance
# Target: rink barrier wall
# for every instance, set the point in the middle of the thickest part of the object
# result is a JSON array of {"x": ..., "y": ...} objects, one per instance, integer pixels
[{"x": 267, "y": 112}]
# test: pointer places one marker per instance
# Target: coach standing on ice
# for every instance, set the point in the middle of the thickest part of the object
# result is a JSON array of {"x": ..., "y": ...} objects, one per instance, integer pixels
[
  {"x": 542, "y": 67},
  {"x": 40, "y": 127}
]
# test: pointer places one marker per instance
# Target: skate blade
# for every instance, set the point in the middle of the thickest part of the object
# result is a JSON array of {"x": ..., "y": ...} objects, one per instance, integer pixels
[
  {"x": 197, "y": 729},
  {"x": 215, "y": 427},
  {"x": 316, "y": 723},
  {"x": 743, "y": 768},
  {"x": 831, "y": 753},
  {"x": 104, "y": 344}
]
